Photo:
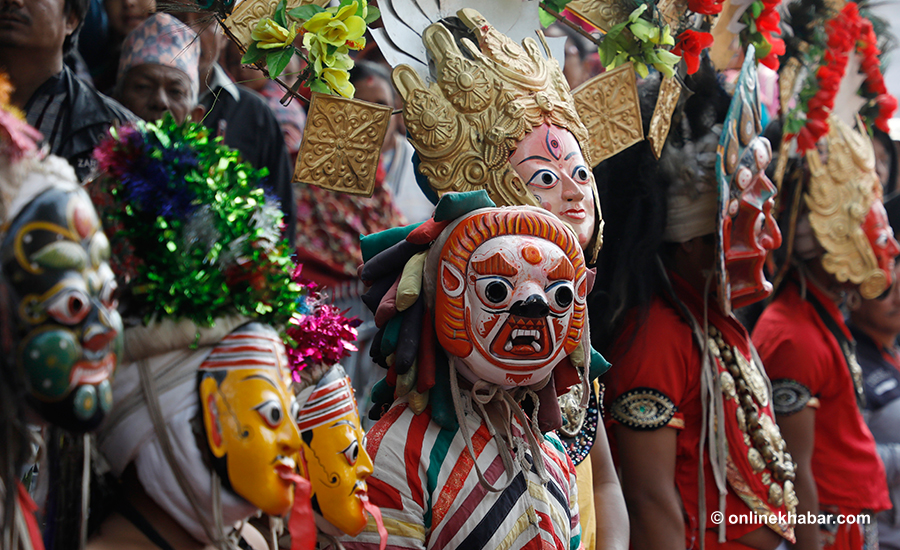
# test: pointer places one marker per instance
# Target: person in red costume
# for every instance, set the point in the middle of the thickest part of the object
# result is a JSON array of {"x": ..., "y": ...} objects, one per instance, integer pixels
[
  {"x": 839, "y": 250},
  {"x": 843, "y": 249},
  {"x": 690, "y": 412}
]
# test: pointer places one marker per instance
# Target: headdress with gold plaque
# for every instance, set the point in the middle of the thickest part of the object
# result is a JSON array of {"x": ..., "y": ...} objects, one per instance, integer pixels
[
  {"x": 467, "y": 123},
  {"x": 831, "y": 90},
  {"x": 666, "y": 193}
]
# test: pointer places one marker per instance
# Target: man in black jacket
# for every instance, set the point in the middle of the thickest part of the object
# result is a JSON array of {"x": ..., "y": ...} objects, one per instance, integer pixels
[{"x": 72, "y": 116}]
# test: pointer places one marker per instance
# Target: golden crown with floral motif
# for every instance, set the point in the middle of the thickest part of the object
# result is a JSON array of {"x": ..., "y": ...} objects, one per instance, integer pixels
[
  {"x": 466, "y": 125},
  {"x": 842, "y": 189}
]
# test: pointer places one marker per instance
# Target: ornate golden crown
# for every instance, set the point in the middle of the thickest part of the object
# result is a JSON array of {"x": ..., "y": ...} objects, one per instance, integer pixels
[
  {"x": 841, "y": 191},
  {"x": 466, "y": 125}
]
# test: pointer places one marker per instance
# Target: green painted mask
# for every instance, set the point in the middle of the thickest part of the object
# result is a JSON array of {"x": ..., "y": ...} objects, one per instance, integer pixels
[{"x": 68, "y": 333}]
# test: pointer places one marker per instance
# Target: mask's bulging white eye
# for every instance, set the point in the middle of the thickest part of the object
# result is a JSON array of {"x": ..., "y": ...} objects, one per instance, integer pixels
[
  {"x": 544, "y": 179},
  {"x": 580, "y": 174},
  {"x": 70, "y": 306},
  {"x": 496, "y": 292},
  {"x": 352, "y": 452},
  {"x": 271, "y": 413},
  {"x": 108, "y": 294},
  {"x": 560, "y": 294},
  {"x": 493, "y": 291},
  {"x": 564, "y": 296}
]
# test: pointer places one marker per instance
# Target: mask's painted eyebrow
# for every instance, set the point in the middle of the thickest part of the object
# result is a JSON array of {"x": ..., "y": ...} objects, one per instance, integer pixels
[
  {"x": 534, "y": 157},
  {"x": 343, "y": 423},
  {"x": 572, "y": 154},
  {"x": 563, "y": 270},
  {"x": 496, "y": 264},
  {"x": 260, "y": 377}
]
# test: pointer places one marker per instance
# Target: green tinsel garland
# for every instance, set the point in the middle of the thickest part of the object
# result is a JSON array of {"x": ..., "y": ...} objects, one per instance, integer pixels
[{"x": 193, "y": 233}]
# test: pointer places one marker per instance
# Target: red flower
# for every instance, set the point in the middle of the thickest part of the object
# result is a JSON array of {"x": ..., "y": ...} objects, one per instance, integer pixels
[
  {"x": 706, "y": 7},
  {"x": 771, "y": 61},
  {"x": 776, "y": 50},
  {"x": 690, "y": 44},
  {"x": 887, "y": 104},
  {"x": 873, "y": 73},
  {"x": 769, "y": 20},
  {"x": 817, "y": 127},
  {"x": 818, "y": 113},
  {"x": 877, "y": 87},
  {"x": 846, "y": 32},
  {"x": 819, "y": 102},
  {"x": 805, "y": 140},
  {"x": 869, "y": 62},
  {"x": 777, "y": 44}
]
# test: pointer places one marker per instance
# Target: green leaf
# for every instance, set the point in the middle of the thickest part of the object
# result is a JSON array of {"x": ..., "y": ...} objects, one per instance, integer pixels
[
  {"x": 607, "y": 51},
  {"x": 318, "y": 85},
  {"x": 372, "y": 15},
  {"x": 793, "y": 125},
  {"x": 304, "y": 13},
  {"x": 546, "y": 18},
  {"x": 360, "y": 6},
  {"x": 253, "y": 55},
  {"x": 615, "y": 31},
  {"x": 556, "y": 5},
  {"x": 763, "y": 48},
  {"x": 279, "y": 16},
  {"x": 756, "y": 8},
  {"x": 278, "y": 60}
]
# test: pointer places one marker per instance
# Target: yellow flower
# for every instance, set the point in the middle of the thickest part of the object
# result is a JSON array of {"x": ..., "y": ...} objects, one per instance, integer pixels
[
  {"x": 339, "y": 81},
  {"x": 337, "y": 26},
  {"x": 321, "y": 59},
  {"x": 666, "y": 39},
  {"x": 269, "y": 35}
]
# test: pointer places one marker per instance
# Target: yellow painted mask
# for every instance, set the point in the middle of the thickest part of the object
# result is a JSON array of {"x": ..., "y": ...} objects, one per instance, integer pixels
[
  {"x": 247, "y": 413},
  {"x": 334, "y": 448}
]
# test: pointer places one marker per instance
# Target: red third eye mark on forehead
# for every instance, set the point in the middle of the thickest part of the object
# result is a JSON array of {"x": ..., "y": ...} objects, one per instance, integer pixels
[
  {"x": 532, "y": 254},
  {"x": 496, "y": 264},
  {"x": 553, "y": 144}
]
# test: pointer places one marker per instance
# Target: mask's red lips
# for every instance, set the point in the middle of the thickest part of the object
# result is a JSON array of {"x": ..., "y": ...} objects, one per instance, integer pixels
[
  {"x": 92, "y": 372},
  {"x": 286, "y": 469},
  {"x": 575, "y": 213},
  {"x": 522, "y": 338}
]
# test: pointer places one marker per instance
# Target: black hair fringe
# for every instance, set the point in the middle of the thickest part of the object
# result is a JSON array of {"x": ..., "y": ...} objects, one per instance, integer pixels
[{"x": 633, "y": 193}]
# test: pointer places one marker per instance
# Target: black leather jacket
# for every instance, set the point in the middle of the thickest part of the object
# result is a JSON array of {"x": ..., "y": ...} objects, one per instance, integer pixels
[{"x": 85, "y": 118}]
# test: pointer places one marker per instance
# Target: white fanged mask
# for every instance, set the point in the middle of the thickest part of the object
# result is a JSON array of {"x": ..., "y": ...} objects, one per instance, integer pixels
[{"x": 520, "y": 297}]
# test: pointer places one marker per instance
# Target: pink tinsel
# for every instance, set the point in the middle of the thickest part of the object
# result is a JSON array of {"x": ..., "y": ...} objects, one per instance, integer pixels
[
  {"x": 322, "y": 334},
  {"x": 17, "y": 138}
]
